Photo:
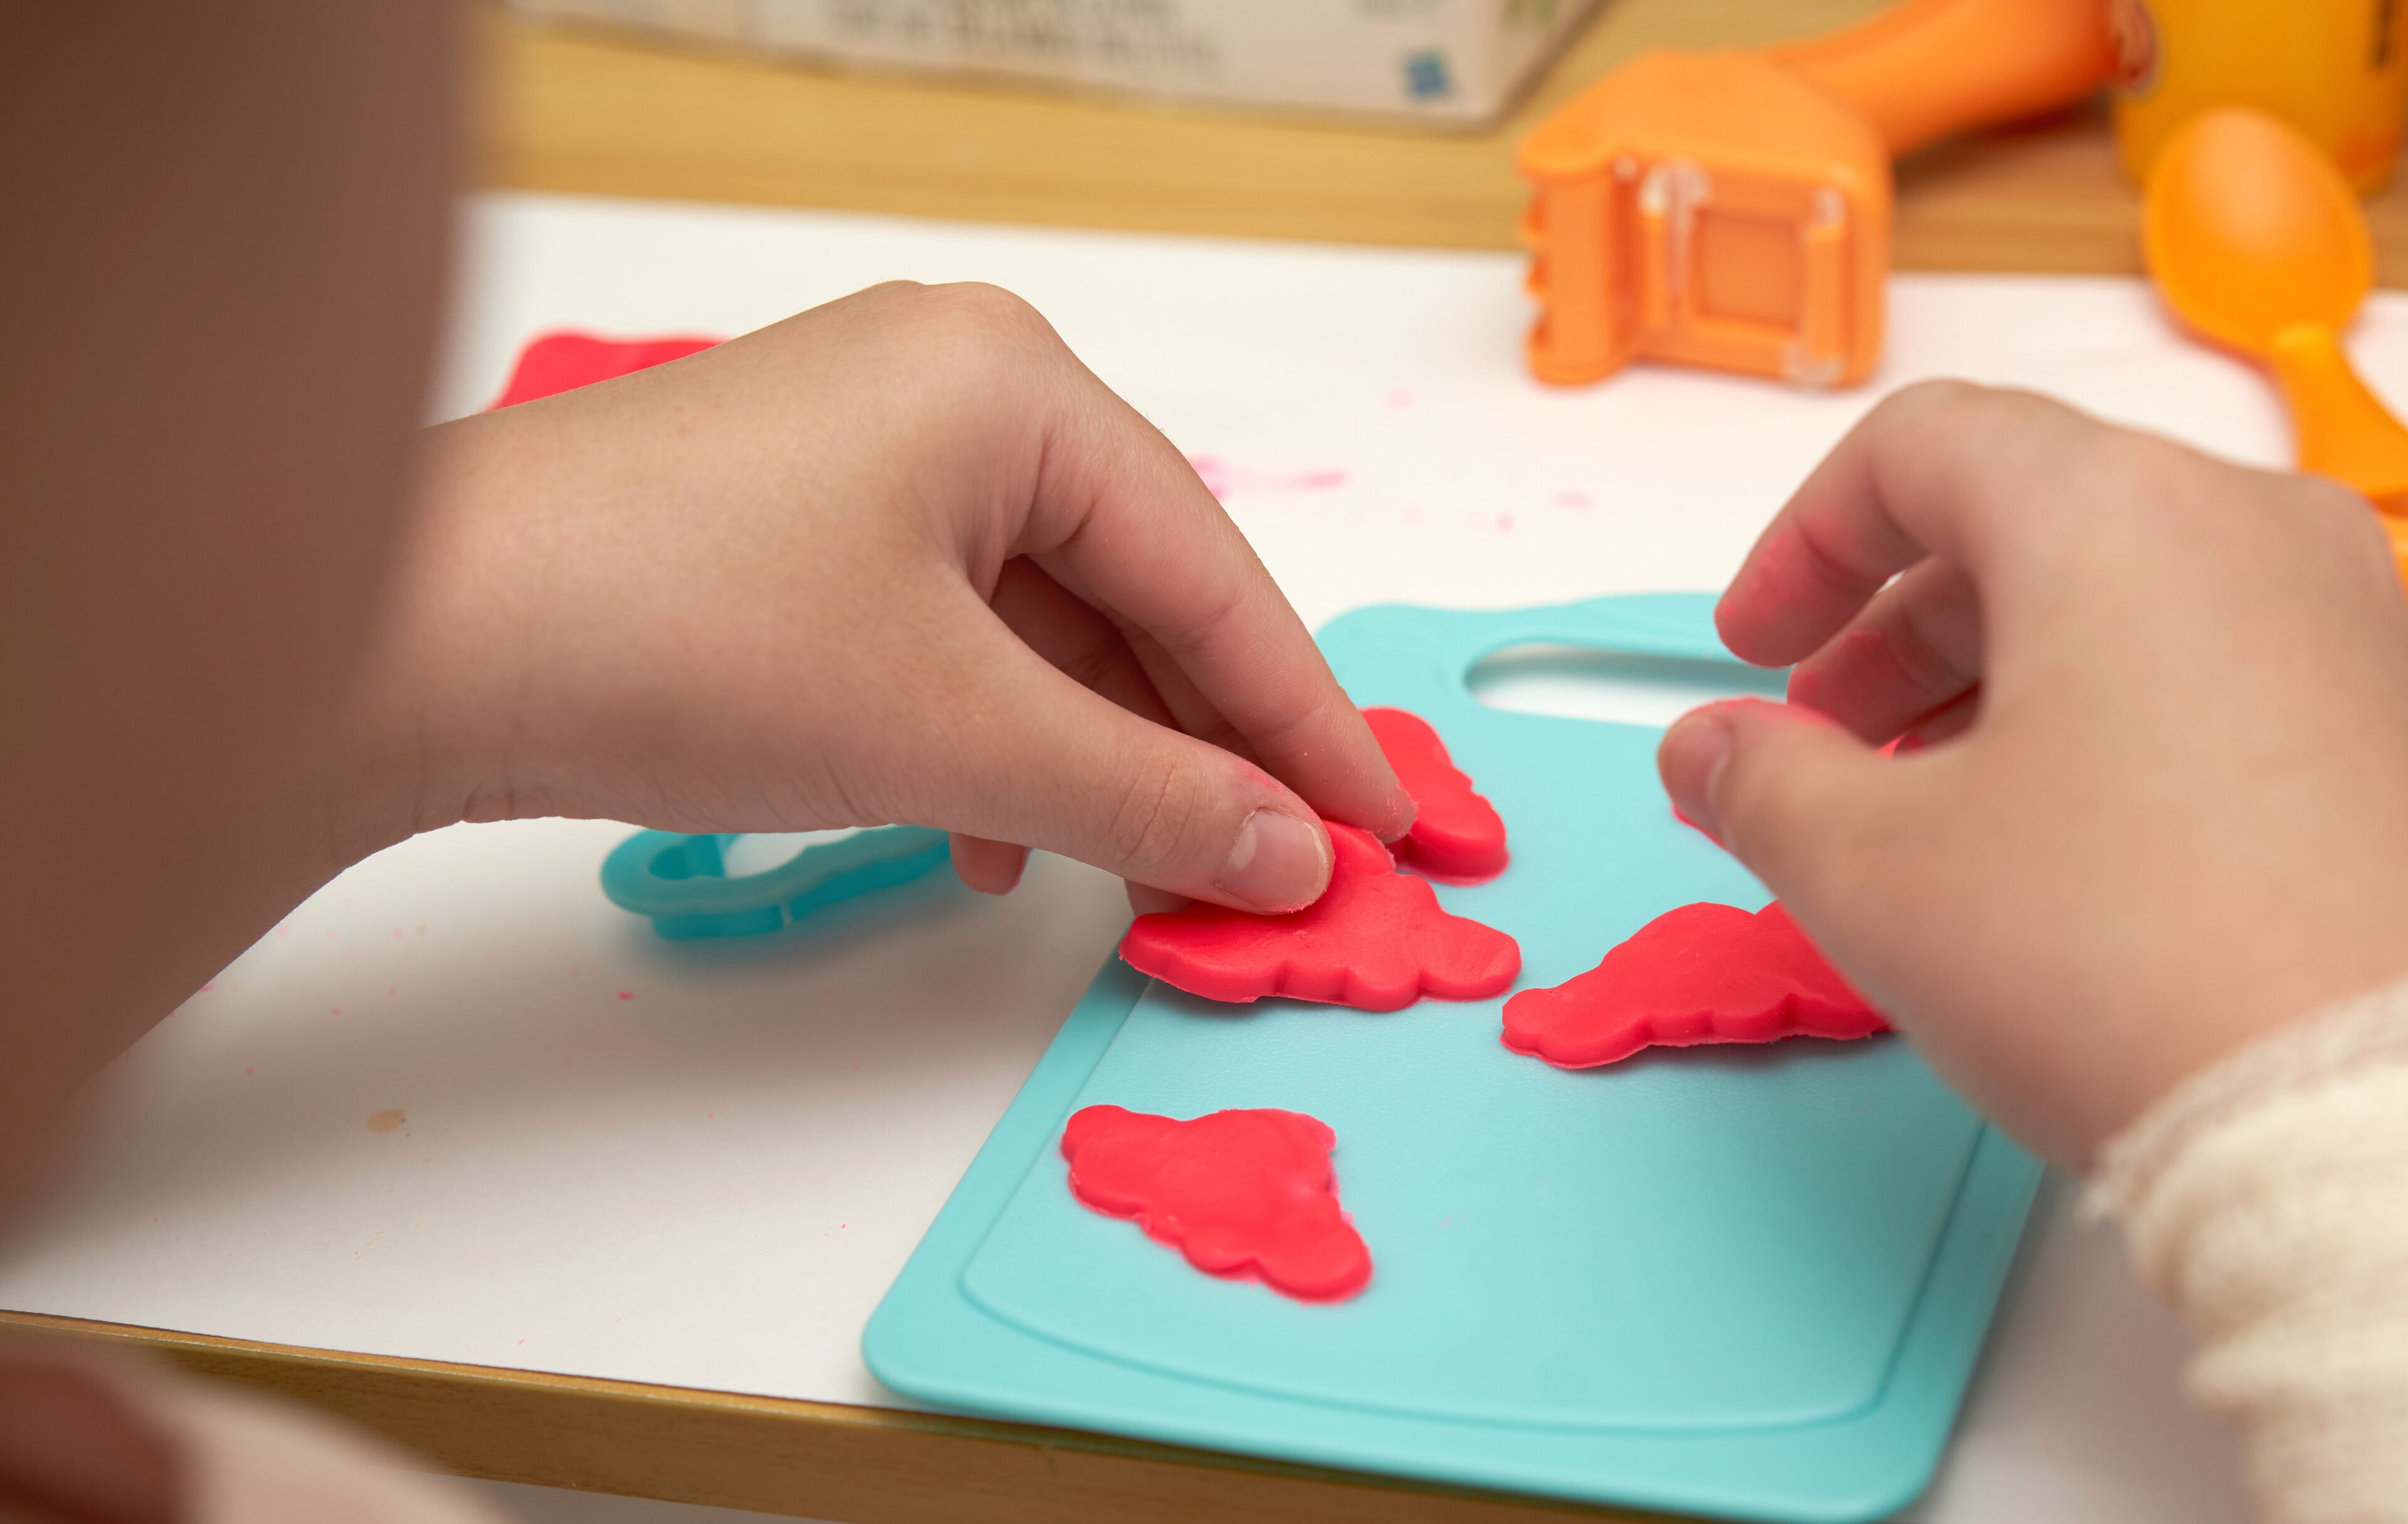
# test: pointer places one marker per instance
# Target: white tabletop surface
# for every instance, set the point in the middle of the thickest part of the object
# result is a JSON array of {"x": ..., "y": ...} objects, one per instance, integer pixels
[{"x": 702, "y": 1164}]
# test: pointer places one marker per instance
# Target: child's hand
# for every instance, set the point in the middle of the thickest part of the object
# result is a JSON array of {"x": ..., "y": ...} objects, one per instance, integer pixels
[
  {"x": 2172, "y": 814},
  {"x": 899, "y": 559}
]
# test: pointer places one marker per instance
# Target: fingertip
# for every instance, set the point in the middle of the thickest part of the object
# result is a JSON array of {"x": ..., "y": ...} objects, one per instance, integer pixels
[
  {"x": 1738, "y": 615},
  {"x": 1375, "y": 799},
  {"x": 1690, "y": 758},
  {"x": 1276, "y": 863},
  {"x": 1146, "y": 900},
  {"x": 1695, "y": 755},
  {"x": 1783, "y": 795},
  {"x": 1349, "y": 779},
  {"x": 990, "y": 867},
  {"x": 1787, "y": 600}
]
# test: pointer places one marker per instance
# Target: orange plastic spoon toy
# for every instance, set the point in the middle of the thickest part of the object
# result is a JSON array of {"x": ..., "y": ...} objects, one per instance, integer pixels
[
  {"x": 1731, "y": 210},
  {"x": 2257, "y": 243}
]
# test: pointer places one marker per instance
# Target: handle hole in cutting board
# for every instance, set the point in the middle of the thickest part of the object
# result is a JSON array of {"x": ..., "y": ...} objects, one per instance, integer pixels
[{"x": 1580, "y": 682}]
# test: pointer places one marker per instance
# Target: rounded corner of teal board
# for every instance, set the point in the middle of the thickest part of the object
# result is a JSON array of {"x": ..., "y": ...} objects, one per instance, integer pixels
[{"x": 1750, "y": 1282}]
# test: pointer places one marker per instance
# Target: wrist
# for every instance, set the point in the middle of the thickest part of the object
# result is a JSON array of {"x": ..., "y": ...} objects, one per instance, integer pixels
[
  {"x": 398, "y": 759},
  {"x": 383, "y": 779}
]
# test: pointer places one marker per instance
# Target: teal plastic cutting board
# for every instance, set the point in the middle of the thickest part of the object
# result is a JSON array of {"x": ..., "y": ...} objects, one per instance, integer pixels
[{"x": 1748, "y": 1281}]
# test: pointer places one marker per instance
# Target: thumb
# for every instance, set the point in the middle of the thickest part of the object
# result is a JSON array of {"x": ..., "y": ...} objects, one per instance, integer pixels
[
  {"x": 1059, "y": 767},
  {"x": 1774, "y": 783}
]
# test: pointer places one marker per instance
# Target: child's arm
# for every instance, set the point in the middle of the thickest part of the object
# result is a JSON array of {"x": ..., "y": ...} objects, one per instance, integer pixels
[
  {"x": 2164, "y": 819},
  {"x": 221, "y": 276},
  {"x": 899, "y": 559},
  {"x": 222, "y": 240}
]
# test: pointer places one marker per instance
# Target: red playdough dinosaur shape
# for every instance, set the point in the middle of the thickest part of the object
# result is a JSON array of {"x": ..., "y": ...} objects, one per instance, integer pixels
[
  {"x": 1241, "y": 1193},
  {"x": 555, "y": 363},
  {"x": 1701, "y": 973},
  {"x": 1375, "y": 940},
  {"x": 1458, "y": 836}
]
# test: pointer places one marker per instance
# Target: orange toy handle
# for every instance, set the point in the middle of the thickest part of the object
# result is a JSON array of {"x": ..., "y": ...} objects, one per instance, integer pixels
[
  {"x": 2343, "y": 430},
  {"x": 1927, "y": 68}
]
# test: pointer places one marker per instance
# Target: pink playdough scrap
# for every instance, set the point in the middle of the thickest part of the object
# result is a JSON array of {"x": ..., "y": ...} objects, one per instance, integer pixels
[
  {"x": 1241, "y": 1193},
  {"x": 1458, "y": 836},
  {"x": 1701, "y": 973},
  {"x": 563, "y": 362},
  {"x": 1375, "y": 940}
]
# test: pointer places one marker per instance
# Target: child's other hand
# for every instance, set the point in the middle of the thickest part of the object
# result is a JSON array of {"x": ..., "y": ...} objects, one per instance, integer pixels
[
  {"x": 899, "y": 559},
  {"x": 2166, "y": 804}
]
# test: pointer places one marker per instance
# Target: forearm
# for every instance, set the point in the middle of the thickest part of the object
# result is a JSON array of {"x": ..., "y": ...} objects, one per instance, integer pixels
[
  {"x": 220, "y": 276},
  {"x": 2267, "y": 1199}
]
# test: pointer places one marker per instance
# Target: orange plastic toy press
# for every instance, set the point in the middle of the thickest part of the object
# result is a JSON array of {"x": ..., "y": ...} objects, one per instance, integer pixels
[{"x": 1731, "y": 210}]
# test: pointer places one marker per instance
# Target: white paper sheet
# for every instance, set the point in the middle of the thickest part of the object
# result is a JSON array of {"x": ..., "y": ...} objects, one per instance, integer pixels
[{"x": 701, "y": 1165}]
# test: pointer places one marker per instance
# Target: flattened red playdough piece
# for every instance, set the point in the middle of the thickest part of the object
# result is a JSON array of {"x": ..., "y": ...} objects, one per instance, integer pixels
[
  {"x": 1701, "y": 973},
  {"x": 1375, "y": 940},
  {"x": 1239, "y": 1192},
  {"x": 1458, "y": 835},
  {"x": 555, "y": 363}
]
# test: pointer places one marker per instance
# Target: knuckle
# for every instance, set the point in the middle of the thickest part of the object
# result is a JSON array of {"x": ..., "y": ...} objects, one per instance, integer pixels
[
  {"x": 2353, "y": 526},
  {"x": 1746, "y": 796},
  {"x": 1951, "y": 408},
  {"x": 883, "y": 303},
  {"x": 2339, "y": 511},
  {"x": 2144, "y": 467},
  {"x": 982, "y": 348},
  {"x": 2176, "y": 484},
  {"x": 1939, "y": 394},
  {"x": 1193, "y": 629},
  {"x": 1153, "y": 828},
  {"x": 1751, "y": 833},
  {"x": 1835, "y": 569},
  {"x": 980, "y": 313},
  {"x": 1940, "y": 405},
  {"x": 2162, "y": 491},
  {"x": 2325, "y": 496}
]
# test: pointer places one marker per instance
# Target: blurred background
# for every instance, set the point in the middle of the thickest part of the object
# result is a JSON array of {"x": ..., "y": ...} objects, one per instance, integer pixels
[{"x": 1158, "y": 115}]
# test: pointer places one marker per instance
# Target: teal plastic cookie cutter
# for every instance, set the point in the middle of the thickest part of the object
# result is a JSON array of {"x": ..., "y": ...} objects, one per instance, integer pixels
[{"x": 681, "y": 881}]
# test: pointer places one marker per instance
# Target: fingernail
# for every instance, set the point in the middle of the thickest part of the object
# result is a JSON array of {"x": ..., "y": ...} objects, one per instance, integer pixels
[
  {"x": 1694, "y": 752},
  {"x": 1278, "y": 862}
]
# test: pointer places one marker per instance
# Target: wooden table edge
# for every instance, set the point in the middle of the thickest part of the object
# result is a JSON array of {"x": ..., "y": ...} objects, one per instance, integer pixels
[{"x": 834, "y": 1460}]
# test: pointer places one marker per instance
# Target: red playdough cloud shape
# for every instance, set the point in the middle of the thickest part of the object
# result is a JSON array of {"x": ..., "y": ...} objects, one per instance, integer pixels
[
  {"x": 1239, "y": 1192},
  {"x": 556, "y": 363},
  {"x": 1375, "y": 940},
  {"x": 1701, "y": 973},
  {"x": 1458, "y": 835}
]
